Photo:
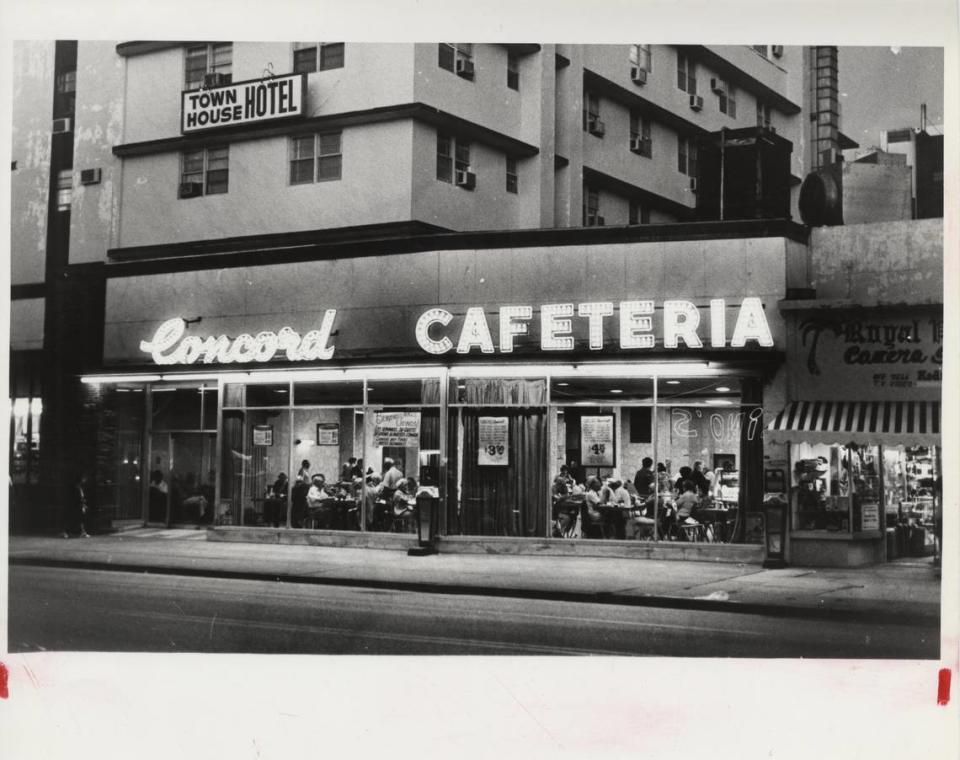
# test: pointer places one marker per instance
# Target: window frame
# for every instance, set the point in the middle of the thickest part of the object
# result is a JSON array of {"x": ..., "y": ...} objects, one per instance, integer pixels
[
  {"x": 452, "y": 53},
  {"x": 205, "y": 180},
  {"x": 320, "y": 60},
  {"x": 686, "y": 73},
  {"x": 317, "y": 157},
  {"x": 591, "y": 112},
  {"x": 591, "y": 206},
  {"x": 445, "y": 152},
  {"x": 641, "y": 57},
  {"x": 638, "y": 213},
  {"x": 513, "y": 71},
  {"x": 211, "y": 66},
  {"x": 512, "y": 175},
  {"x": 727, "y": 98},
  {"x": 763, "y": 115},
  {"x": 687, "y": 156},
  {"x": 64, "y": 190},
  {"x": 640, "y": 127}
]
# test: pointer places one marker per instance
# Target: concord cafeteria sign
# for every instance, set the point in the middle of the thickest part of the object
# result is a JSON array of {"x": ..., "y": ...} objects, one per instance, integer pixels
[
  {"x": 633, "y": 322},
  {"x": 243, "y": 103}
]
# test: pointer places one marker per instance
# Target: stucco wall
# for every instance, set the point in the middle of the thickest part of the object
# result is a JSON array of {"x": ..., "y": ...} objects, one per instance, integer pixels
[
  {"x": 893, "y": 262},
  {"x": 374, "y": 188},
  {"x": 30, "y": 149}
]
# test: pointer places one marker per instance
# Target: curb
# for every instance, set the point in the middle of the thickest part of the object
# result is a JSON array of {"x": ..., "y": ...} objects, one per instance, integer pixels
[{"x": 920, "y": 619}]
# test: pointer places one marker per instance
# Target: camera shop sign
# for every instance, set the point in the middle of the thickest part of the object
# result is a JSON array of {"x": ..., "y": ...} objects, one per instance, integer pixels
[
  {"x": 872, "y": 356},
  {"x": 243, "y": 103}
]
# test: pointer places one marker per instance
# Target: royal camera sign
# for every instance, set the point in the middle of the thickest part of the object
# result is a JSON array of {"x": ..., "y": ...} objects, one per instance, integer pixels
[{"x": 249, "y": 102}]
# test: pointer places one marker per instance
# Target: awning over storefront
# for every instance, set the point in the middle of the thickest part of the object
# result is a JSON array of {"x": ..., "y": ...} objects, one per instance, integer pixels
[{"x": 891, "y": 423}]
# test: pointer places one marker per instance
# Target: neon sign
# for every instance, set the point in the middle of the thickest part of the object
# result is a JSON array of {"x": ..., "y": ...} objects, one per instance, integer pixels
[
  {"x": 171, "y": 346},
  {"x": 680, "y": 324}
]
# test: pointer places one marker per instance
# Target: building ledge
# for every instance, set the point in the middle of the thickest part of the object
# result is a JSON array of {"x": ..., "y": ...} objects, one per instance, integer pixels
[{"x": 847, "y": 304}]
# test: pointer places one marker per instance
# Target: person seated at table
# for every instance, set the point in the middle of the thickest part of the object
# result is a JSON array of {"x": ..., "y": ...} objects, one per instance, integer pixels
[
  {"x": 318, "y": 501},
  {"x": 591, "y": 517},
  {"x": 684, "y": 476},
  {"x": 348, "y": 469},
  {"x": 616, "y": 500},
  {"x": 686, "y": 503},
  {"x": 664, "y": 483},
  {"x": 367, "y": 499},
  {"x": 404, "y": 504}
]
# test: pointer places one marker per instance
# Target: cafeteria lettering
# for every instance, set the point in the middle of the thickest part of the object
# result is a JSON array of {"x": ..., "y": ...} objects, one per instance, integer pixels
[
  {"x": 245, "y": 102},
  {"x": 680, "y": 323},
  {"x": 171, "y": 346}
]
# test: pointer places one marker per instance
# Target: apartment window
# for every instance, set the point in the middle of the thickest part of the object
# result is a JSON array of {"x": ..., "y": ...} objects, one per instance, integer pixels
[
  {"x": 591, "y": 208},
  {"x": 456, "y": 57},
  {"x": 212, "y": 58},
  {"x": 763, "y": 115},
  {"x": 317, "y": 56},
  {"x": 64, "y": 189},
  {"x": 453, "y": 161},
  {"x": 66, "y": 82},
  {"x": 512, "y": 177},
  {"x": 728, "y": 100},
  {"x": 204, "y": 172},
  {"x": 686, "y": 74},
  {"x": 640, "y": 57},
  {"x": 65, "y": 94},
  {"x": 316, "y": 158},
  {"x": 687, "y": 156},
  {"x": 591, "y": 115},
  {"x": 761, "y": 49},
  {"x": 640, "y": 140},
  {"x": 513, "y": 71},
  {"x": 639, "y": 214}
]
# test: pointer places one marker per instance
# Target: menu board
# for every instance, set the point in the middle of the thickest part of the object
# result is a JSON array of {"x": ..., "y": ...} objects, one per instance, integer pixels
[
  {"x": 263, "y": 435},
  {"x": 328, "y": 434},
  {"x": 494, "y": 446},
  {"x": 596, "y": 441},
  {"x": 400, "y": 429}
]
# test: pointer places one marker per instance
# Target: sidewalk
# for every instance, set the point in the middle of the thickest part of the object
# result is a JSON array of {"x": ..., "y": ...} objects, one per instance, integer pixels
[{"x": 898, "y": 592}]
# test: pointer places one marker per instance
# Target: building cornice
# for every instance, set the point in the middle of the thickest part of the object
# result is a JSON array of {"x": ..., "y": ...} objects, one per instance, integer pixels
[{"x": 416, "y": 111}]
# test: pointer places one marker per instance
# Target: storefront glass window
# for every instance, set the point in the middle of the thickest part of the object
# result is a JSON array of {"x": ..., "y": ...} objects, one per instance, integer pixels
[
  {"x": 836, "y": 488},
  {"x": 182, "y": 459},
  {"x": 499, "y": 447},
  {"x": 128, "y": 486},
  {"x": 25, "y": 457}
]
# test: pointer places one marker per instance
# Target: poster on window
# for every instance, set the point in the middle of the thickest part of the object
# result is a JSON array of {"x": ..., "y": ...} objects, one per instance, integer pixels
[
  {"x": 263, "y": 435},
  {"x": 494, "y": 448},
  {"x": 396, "y": 429},
  {"x": 870, "y": 515},
  {"x": 596, "y": 441},
  {"x": 328, "y": 434}
]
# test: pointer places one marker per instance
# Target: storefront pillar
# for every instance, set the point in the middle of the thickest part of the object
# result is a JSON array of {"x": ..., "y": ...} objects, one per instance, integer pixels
[{"x": 751, "y": 452}]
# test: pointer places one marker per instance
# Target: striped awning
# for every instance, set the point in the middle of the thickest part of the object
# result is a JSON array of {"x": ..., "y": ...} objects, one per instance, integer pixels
[{"x": 907, "y": 423}]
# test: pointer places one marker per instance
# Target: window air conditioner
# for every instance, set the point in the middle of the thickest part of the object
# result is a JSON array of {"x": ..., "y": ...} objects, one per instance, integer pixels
[
  {"x": 696, "y": 102},
  {"x": 717, "y": 86},
  {"x": 465, "y": 68},
  {"x": 777, "y": 51},
  {"x": 60, "y": 126},
  {"x": 90, "y": 176},
  {"x": 190, "y": 190},
  {"x": 638, "y": 75},
  {"x": 693, "y": 184},
  {"x": 640, "y": 145},
  {"x": 597, "y": 127},
  {"x": 214, "y": 79},
  {"x": 466, "y": 179},
  {"x": 595, "y": 220}
]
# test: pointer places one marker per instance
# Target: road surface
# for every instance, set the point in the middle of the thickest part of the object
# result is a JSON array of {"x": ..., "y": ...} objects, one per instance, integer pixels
[{"x": 61, "y": 609}]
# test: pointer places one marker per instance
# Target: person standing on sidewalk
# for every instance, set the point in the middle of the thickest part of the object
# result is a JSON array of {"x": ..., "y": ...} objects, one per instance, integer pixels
[{"x": 76, "y": 508}]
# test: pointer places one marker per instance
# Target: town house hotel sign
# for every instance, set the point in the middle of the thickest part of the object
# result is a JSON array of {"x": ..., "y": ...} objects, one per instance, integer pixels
[
  {"x": 248, "y": 102},
  {"x": 635, "y": 324}
]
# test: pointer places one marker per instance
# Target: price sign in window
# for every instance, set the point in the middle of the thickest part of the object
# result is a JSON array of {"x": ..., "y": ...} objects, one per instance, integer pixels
[
  {"x": 596, "y": 441},
  {"x": 494, "y": 448}
]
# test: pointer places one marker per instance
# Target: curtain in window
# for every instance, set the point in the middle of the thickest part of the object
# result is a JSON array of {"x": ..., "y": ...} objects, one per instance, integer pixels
[
  {"x": 505, "y": 500},
  {"x": 518, "y": 391}
]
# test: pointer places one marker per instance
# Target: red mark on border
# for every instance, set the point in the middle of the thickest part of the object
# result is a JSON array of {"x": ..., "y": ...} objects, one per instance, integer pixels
[
  {"x": 4, "y": 673},
  {"x": 943, "y": 689}
]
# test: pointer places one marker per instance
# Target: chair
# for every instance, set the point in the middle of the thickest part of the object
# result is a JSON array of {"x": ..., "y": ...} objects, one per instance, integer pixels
[{"x": 590, "y": 528}]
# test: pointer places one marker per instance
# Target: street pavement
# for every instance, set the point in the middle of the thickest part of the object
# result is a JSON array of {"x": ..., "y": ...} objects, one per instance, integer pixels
[{"x": 900, "y": 592}]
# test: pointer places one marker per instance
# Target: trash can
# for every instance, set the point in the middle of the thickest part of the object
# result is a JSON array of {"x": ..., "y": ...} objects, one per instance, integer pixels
[
  {"x": 892, "y": 548},
  {"x": 428, "y": 510},
  {"x": 775, "y": 532}
]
